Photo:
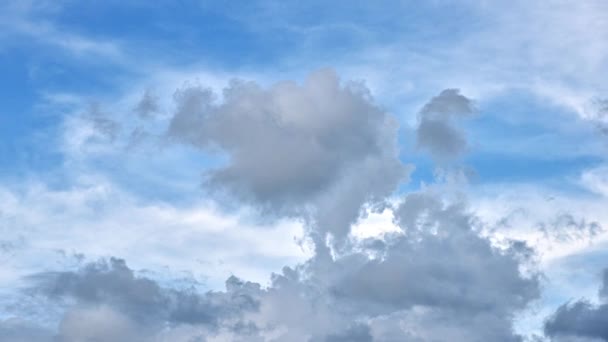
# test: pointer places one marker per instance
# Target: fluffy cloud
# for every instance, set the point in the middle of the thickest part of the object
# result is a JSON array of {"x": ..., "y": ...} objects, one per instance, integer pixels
[
  {"x": 318, "y": 150},
  {"x": 437, "y": 132},
  {"x": 106, "y": 301},
  {"x": 17, "y": 330},
  {"x": 321, "y": 151},
  {"x": 581, "y": 319},
  {"x": 148, "y": 106},
  {"x": 437, "y": 268}
]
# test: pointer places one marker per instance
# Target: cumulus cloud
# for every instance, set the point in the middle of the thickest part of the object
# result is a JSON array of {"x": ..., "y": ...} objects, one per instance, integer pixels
[
  {"x": 113, "y": 283},
  {"x": 357, "y": 333},
  {"x": 435, "y": 277},
  {"x": 99, "y": 323},
  {"x": 107, "y": 301},
  {"x": 446, "y": 256},
  {"x": 437, "y": 270},
  {"x": 581, "y": 320},
  {"x": 437, "y": 132},
  {"x": 320, "y": 149},
  {"x": 603, "y": 293}
]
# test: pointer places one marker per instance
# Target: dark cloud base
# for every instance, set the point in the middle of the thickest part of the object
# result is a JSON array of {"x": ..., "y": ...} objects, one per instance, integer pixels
[
  {"x": 581, "y": 320},
  {"x": 420, "y": 285}
]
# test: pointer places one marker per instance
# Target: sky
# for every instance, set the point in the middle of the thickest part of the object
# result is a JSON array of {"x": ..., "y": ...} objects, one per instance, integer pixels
[{"x": 314, "y": 171}]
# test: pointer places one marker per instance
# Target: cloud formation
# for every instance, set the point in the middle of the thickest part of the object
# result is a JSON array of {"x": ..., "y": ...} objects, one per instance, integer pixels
[
  {"x": 319, "y": 153},
  {"x": 319, "y": 150},
  {"x": 106, "y": 301},
  {"x": 437, "y": 268},
  {"x": 437, "y": 132},
  {"x": 18, "y": 330},
  {"x": 581, "y": 320}
]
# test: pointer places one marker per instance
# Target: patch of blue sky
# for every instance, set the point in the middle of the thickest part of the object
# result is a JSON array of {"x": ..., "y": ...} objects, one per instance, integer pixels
[
  {"x": 265, "y": 33},
  {"x": 201, "y": 35},
  {"x": 575, "y": 277},
  {"x": 516, "y": 113},
  {"x": 24, "y": 131},
  {"x": 496, "y": 168},
  {"x": 17, "y": 92},
  {"x": 520, "y": 138}
]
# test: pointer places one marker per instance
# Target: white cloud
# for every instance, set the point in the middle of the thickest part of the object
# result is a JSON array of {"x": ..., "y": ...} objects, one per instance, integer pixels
[
  {"x": 596, "y": 180},
  {"x": 99, "y": 220},
  {"x": 18, "y": 23}
]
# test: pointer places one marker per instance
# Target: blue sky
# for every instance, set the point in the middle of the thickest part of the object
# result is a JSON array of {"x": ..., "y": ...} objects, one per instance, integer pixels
[{"x": 94, "y": 164}]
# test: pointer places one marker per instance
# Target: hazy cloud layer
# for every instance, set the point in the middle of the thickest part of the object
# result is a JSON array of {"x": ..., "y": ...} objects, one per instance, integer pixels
[{"x": 17, "y": 330}]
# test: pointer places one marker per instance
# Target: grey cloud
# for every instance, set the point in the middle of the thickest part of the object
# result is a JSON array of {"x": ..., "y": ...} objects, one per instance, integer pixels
[
  {"x": 283, "y": 142},
  {"x": 573, "y": 339},
  {"x": 92, "y": 323},
  {"x": 148, "y": 105},
  {"x": 435, "y": 278},
  {"x": 16, "y": 330},
  {"x": 319, "y": 150},
  {"x": 104, "y": 126},
  {"x": 357, "y": 333},
  {"x": 111, "y": 294},
  {"x": 100, "y": 323},
  {"x": 438, "y": 273},
  {"x": 102, "y": 282},
  {"x": 448, "y": 103},
  {"x": 425, "y": 325},
  {"x": 581, "y": 320},
  {"x": 603, "y": 293},
  {"x": 566, "y": 227},
  {"x": 436, "y": 132}
]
